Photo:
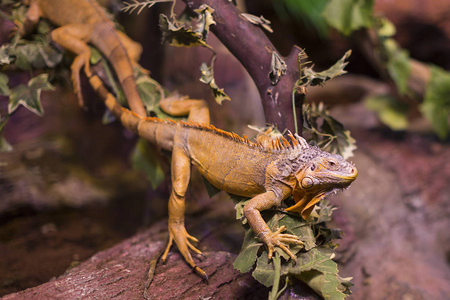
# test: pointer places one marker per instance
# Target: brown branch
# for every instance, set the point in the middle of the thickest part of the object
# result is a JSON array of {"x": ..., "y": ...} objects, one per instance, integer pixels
[
  {"x": 249, "y": 44},
  {"x": 127, "y": 271}
]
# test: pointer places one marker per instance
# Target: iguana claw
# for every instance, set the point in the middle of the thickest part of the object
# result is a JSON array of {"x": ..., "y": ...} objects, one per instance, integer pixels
[
  {"x": 179, "y": 234},
  {"x": 281, "y": 240}
]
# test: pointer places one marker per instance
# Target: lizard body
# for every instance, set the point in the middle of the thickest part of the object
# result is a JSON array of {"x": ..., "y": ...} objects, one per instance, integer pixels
[
  {"x": 84, "y": 21},
  {"x": 267, "y": 170}
]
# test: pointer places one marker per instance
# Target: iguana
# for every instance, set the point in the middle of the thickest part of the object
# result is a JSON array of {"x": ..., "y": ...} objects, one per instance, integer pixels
[
  {"x": 266, "y": 170},
  {"x": 82, "y": 22}
]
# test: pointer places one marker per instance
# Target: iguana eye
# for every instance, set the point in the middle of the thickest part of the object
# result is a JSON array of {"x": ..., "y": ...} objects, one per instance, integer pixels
[
  {"x": 331, "y": 163},
  {"x": 313, "y": 167}
]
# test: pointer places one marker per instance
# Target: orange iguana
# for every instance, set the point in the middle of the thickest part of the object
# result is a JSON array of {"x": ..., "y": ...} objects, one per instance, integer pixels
[
  {"x": 82, "y": 22},
  {"x": 268, "y": 171}
]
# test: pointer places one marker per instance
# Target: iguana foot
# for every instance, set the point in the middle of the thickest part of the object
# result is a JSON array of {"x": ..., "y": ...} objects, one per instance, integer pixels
[
  {"x": 18, "y": 30},
  {"x": 80, "y": 61},
  {"x": 179, "y": 234},
  {"x": 280, "y": 240}
]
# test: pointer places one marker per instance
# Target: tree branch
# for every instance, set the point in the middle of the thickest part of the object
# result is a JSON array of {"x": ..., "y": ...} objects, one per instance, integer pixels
[{"x": 253, "y": 49}]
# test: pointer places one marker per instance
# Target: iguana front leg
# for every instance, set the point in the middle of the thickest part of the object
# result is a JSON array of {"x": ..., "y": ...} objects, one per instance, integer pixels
[
  {"x": 181, "y": 168},
  {"x": 261, "y": 229},
  {"x": 74, "y": 37}
]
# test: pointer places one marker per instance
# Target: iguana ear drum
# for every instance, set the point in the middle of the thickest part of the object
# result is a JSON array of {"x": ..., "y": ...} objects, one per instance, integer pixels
[{"x": 307, "y": 183}]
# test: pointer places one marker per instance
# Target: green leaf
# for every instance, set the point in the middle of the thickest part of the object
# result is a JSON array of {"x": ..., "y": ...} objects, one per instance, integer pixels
[
  {"x": 151, "y": 93},
  {"x": 208, "y": 78},
  {"x": 5, "y": 59},
  {"x": 398, "y": 65},
  {"x": 144, "y": 159},
  {"x": 239, "y": 207},
  {"x": 35, "y": 55},
  {"x": 310, "y": 77},
  {"x": 386, "y": 28},
  {"x": 304, "y": 13},
  {"x": 349, "y": 15},
  {"x": 436, "y": 104},
  {"x": 4, "y": 145},
  {"x": 4, "y": 89},
  {"x": 96, "y": 56},
  {"x": 390, "y": 111},
  {"x": 319, "y": 272},
  {"x": 211, "y": 189},
  {"x": 29, "y": 95},
  {"x": 265, "y": 271},
  {"x": 249, "y": 252}
]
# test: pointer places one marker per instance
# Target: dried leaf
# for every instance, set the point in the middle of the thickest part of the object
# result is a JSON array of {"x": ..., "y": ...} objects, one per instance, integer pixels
[
  {"x": 277, "y": 68},
  {"x": 263, "y": 22},
  {"x": 326, "y": 131},
  {"x": 180, "y": 36},
  {"x": 205, "y": 19},
  {"x": 208, "y": 78},
  {"x": 29, "y": 95},
  {"x": 310, "y": 77}
]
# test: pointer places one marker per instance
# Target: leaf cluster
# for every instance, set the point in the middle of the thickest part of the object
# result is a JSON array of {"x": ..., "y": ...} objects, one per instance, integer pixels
[
  {"x": 314, "y": 265},
  {"x": 310, "y": 77},
  {"x": 348, "y": 16},
  {"x": 329, "y": 134},
  {"x": 192, "y": 31}
]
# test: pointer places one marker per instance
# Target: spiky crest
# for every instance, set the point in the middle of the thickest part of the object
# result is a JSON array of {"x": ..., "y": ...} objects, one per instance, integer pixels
[{"x": 278, "y": 144}]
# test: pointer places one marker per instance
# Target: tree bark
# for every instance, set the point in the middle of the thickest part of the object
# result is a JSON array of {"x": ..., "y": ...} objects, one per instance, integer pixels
[{"x": 130, "y": 270}]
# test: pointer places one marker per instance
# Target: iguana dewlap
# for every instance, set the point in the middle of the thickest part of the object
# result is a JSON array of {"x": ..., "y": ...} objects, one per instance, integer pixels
[
  {"x": 82, "y": 22},
  {"x": 267, "y": 173}
]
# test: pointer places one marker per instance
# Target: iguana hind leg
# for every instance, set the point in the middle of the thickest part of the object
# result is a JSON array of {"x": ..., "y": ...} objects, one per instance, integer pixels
[
  {"x": 133, "y": 48},
  {"x": 177, "y": 106},
  {"x": 73, "y": 37},
  {"x": 181, "y": 168}
]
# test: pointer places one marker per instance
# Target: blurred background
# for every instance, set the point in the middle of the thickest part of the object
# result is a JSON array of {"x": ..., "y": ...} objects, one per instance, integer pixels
[{"x": 68, "y": 189}]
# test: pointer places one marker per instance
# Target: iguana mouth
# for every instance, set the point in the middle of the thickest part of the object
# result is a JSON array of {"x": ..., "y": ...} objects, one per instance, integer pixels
[{"x": 313, "y": 187}]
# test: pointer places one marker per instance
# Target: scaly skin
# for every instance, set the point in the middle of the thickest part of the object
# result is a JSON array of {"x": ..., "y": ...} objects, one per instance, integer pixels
[
  {"x": 267, "y": 171},
  {"x": 84, "y": 21}
]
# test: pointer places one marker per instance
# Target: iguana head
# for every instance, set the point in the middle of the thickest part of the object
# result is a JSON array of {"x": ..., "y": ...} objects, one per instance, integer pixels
[{"x": 320, "y": 174}]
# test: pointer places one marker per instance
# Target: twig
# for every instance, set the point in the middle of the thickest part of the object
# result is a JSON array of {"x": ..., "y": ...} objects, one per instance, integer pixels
[{"x": 135, "y": 4}]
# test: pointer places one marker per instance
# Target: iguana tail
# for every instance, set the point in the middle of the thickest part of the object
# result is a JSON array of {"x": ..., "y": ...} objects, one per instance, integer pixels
[
  {"x": 108, "y": 42},
  {"x": 146, "y": 128}
]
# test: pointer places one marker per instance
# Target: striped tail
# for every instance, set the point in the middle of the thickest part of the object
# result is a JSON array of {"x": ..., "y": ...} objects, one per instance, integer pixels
[
  {"x": 108, "y": 42},
  {"x": 129, "y": 119},
  {"x": 154, "y": 130}
]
